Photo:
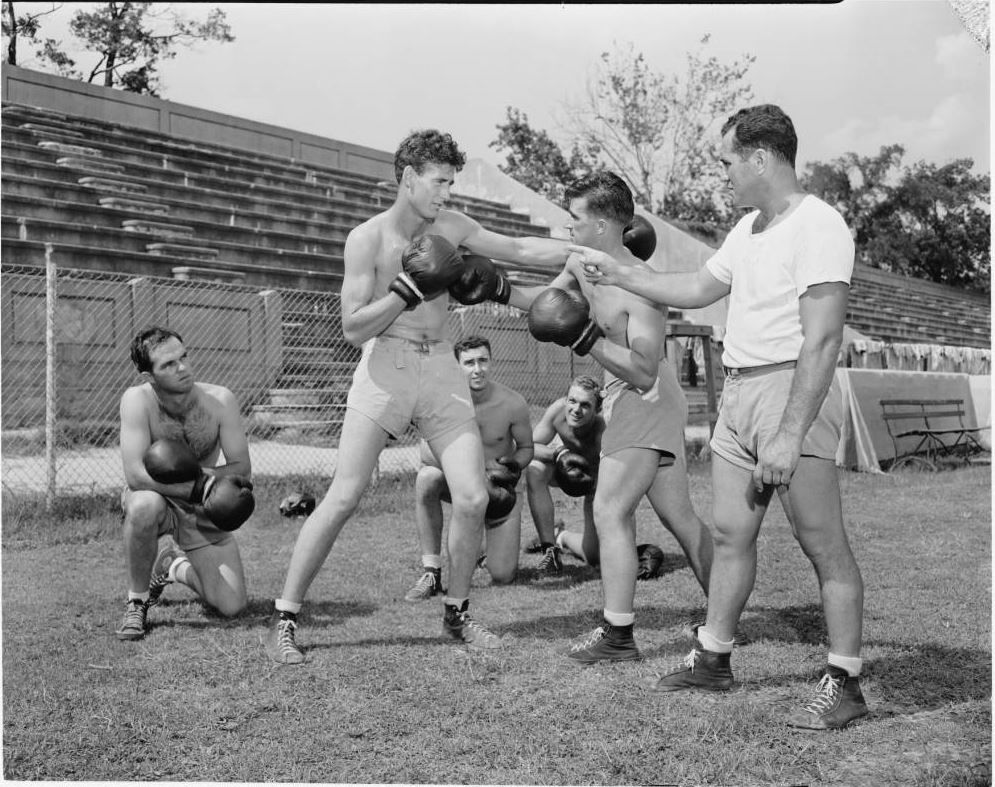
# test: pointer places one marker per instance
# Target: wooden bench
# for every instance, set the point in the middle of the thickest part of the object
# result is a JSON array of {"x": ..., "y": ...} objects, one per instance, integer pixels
[{"x": 933, "y": 428}]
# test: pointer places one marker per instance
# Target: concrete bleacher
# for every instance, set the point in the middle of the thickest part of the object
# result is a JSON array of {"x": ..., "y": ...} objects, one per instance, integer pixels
[{"x": 112, "y": 197}]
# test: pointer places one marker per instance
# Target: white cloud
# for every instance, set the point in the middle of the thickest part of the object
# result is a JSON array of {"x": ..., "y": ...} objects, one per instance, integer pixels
[
  {"x": 952, "y": 130},
  {"x": 957, "y": 55}
]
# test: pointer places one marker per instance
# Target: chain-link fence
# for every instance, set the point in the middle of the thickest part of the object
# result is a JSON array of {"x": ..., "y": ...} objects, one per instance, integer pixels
[{"x": 66, "y": 338}]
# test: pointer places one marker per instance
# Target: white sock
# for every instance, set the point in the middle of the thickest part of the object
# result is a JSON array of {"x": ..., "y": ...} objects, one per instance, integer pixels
[
  {"x": 431, "y": 561},
  {"x": 559, "y": 539},
  {"x": 708, "y": 642},
  {"x": 620, "y": 618},
  {"x": 143, "y": 597},
  {"x": 453, "y": 602},
  {"x": 852, "y": 664},
  {"x": 293, "y": 607},
  {"x": 174, "y": 567}
]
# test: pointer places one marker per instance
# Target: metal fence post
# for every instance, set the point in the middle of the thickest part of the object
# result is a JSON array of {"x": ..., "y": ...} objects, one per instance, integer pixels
[{"x": 51, "y": 423}]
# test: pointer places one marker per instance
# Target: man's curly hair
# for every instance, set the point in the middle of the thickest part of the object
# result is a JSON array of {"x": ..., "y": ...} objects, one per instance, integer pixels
[{"x": 428, "y": 146}]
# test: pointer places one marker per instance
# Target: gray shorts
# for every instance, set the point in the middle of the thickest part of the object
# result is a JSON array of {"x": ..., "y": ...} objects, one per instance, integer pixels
[
  {"x": 400, "y": 382},
  {"x": 750, "y": 413},
  {"x": 187, "y": 524}
]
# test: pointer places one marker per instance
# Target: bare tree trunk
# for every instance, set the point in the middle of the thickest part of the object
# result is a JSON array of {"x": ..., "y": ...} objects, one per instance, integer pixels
[{"x": 12, "y": 46}]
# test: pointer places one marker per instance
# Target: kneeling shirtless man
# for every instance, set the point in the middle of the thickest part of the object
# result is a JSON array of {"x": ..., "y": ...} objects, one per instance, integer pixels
[
  {"x": 503, "y": 419},
  {"x": 205, "y": 421}
]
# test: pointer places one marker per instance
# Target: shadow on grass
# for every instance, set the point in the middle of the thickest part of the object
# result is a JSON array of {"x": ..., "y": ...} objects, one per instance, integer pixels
[
  {"x": 572, "y": 574},
  {"x": 316, "y": 614}
]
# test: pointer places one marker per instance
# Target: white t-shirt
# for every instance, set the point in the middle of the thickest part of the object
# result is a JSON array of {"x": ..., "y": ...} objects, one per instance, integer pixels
[{"x": 769, "y": 271}]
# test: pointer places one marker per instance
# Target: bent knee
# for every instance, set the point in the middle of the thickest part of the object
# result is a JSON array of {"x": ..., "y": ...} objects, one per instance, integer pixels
[
  {"x": 503, "y": 576},
  {"x": 473, "y": 503},
  {"x": 230, "y": 606},
  {"x": 144, "y": 508}
]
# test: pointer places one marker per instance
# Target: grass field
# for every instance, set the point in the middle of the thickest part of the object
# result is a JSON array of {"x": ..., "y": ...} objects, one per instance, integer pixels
[{"x": 385, "y": 698}]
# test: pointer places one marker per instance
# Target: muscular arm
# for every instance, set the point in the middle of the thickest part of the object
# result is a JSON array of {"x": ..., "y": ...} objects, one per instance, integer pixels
[
  {"x": 362, "y": 317},
  {"x": 522, "y": 297},
  {"x": 689, "y": 290},
  {"x": 823, "y": 310},
  {"x": 526, "y": 251},
  {"x": 543, "y": 432},
  {"x": 234, "y": 443},
  {"x": 638, "y": 363},
  {"x": 521, "y": 432}
]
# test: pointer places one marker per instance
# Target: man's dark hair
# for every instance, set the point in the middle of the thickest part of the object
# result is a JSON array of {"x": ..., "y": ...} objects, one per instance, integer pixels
[
  {"x": 764, "y": 126},
  {"x": 588, "y": 383},
  {"x": 427, "y": 147},
  {"x": 145, "y": 341},
  {"x": 607, "y": 195},
  {"x": 471, "y": 343}
]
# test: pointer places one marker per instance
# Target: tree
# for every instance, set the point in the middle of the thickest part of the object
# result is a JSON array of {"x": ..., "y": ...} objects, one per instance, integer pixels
[
  {"x": 536, "y": 161},
  {"x": 130, "y": 41},
  {"x": 25, "y": 26},
  {"x": 925, "y": 221},
  {"x": 657, "y": 130}
]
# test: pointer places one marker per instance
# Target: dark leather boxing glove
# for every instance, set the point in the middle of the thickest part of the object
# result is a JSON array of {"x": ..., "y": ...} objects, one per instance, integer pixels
[
  {"x": 297, "y": 504},
  {"x": 640, "y": 237},
  {"x": 504, "y": 471},
  {"x": 228, "y": 502},
  {"x": 573, "y": 473},
  {"x": 501, "y": 501},
  {"x": 480, "y": 281},
  {"x": 171, "y": 462},
  {"x": 429, "y": 265},
  {"x": 563, "y": 317}
]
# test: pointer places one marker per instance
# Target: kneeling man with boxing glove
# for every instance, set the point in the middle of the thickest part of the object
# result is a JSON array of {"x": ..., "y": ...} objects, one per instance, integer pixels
[
  {"x": 173, "y": 432},
  {"x": 502, "y": 416}
]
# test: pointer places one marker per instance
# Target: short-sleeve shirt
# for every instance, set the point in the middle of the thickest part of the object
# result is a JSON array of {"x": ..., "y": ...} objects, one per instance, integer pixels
[{"x": 769, "y": 271}]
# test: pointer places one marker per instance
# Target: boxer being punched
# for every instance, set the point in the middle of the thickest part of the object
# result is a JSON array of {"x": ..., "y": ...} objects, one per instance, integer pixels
[
  {"x": 502, "y": 416},
  {"x": 173, "y": 432},
  {"x": 399, "y": 266},
  {"x": 642, "y": 447}
]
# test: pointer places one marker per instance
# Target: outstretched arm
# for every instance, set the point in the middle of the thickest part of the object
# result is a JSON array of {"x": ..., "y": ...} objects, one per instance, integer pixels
[
  {"x": 823, "y": 310},
  {"x": 525, "y": 251},
  {"x": 690, "y": 290}
]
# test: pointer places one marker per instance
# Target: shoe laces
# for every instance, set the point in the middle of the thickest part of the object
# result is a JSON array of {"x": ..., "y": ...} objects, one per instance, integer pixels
[
  {"x": 548, "y": 558},
  {"x": 426, "y": 582},
  {"x": 690, "y": 659},
  {"x": 285, "y": 636},
  {"x": 135, "y": 613},
  {"x": 477, "y": 628},
  {"x": 826, "y": 692},
  {"x": 592, "y": 639}
]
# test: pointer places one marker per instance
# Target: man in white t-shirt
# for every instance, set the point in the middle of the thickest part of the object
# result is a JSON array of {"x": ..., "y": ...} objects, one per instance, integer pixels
[{"x": 786, "y": 268}]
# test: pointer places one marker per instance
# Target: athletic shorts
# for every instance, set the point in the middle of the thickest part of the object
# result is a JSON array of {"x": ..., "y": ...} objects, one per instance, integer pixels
[
  {"x": 654, "y": 419},
  {"x": 400, "y": 382},
  {"x": 750, "y": 413},
  {"x": 187, "y": 524}
]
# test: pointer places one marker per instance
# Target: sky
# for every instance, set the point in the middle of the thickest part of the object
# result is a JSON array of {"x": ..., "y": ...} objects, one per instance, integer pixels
[{"x": 854, "y": 76}]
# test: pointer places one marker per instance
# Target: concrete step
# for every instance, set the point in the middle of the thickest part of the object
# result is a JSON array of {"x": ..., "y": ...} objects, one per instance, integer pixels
[
  {"x": 109, "y": 184},
  {"x": 143, "y": 206},
  {"x": 69, "y": 150},
  {"x": 90, "y": 163},
  {"x": 183, "y": 251},
  {"x": 157, "y": 228}
]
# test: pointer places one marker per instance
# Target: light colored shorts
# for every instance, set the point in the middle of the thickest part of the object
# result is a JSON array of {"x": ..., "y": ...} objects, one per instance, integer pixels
[
  {"x": 654, "y": 419},
  {"x": 187, "y": 524},
  {"x": 750, "y": 413},
  {"x": 400, "y": 382}
]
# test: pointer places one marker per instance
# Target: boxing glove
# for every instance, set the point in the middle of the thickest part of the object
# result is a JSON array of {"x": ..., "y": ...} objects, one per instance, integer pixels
[
  {"x": 429, "y": 265},
  {"x": 563, "y": 317},
  {"x": 228, "y": 502},
  {"x": 504, "y": 471},
  {"x": 640, "y": 237},
  {"x": 480, "y": 281},
  {"x": 173, "y": 462},
  {"x": 573, "y": 473},
  {"x": 297, "y": 504},
  {"x": 501, "y": 501}
]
